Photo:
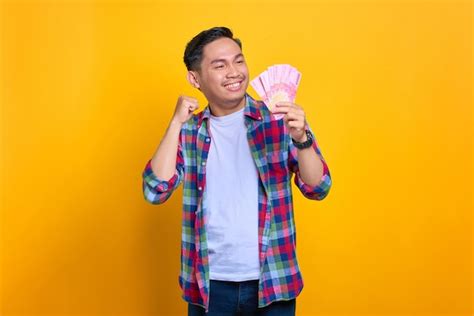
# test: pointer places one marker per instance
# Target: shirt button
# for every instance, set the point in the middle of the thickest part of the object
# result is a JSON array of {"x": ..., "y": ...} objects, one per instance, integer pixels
[
  {"x": 200, "y": 188},
  {"x": 203, "y": 163},
  {"x": 208, "y": 139},
  {"x": 259, "y": 117}
]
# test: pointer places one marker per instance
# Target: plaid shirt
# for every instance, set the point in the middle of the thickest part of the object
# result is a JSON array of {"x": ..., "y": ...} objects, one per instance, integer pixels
[{"x": 275, "y": 157}]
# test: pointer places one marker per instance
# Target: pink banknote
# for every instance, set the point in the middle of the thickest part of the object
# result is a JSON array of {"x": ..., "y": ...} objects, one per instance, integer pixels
[{"x": 277, "y": 83}]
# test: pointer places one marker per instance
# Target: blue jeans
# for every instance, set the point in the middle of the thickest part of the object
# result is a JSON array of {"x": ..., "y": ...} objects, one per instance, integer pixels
[{"x": 240, "y": 298}]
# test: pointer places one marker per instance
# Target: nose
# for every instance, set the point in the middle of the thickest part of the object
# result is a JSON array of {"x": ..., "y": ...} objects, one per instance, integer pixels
[{"x": 232, "y": 71}]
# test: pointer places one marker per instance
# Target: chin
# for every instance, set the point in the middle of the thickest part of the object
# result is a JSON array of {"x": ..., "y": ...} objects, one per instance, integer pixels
[
  {"x": 227, "y": 97},
  {"x": 235, "y": 98}
]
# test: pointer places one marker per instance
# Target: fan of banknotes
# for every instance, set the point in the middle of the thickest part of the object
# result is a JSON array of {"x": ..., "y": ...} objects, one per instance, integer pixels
[{"x": 277, "y": 83}]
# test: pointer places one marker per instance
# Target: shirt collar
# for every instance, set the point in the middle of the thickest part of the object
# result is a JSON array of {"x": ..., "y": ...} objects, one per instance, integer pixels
[{"x": 251, "y": 110}]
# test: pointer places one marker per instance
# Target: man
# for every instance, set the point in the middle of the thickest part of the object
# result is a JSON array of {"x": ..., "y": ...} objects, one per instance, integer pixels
[{"x": 236, "y": 162}]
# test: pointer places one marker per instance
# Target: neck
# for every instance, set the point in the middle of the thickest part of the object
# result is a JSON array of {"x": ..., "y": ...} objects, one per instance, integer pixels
[{"x": 219, "y": 110}]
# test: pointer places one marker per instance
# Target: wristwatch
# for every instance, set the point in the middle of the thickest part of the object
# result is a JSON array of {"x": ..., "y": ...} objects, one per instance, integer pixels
[{"x": 305, "y": 144}]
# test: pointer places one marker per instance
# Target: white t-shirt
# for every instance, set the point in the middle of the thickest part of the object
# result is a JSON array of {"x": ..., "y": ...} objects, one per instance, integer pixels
[{"x": 231, "y": 201}]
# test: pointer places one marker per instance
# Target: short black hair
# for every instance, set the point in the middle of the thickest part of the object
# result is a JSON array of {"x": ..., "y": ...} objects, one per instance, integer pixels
[{"x": 193, "y": 51}]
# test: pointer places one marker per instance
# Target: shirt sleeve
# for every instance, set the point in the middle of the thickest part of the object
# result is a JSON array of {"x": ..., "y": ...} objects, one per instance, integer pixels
[
  {"x": 156, "y": 190},
  {"x": 319, "y": 191}
]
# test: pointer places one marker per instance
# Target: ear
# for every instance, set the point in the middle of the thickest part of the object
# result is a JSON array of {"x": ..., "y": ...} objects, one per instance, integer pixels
[{"x": 192, "y": 77}]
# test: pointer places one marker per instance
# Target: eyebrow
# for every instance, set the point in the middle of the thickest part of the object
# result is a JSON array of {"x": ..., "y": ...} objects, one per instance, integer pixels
[{"x": 223, "y": 60}]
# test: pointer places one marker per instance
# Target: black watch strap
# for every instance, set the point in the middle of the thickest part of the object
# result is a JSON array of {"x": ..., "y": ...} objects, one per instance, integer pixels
[{"x": 305, "y": 144}]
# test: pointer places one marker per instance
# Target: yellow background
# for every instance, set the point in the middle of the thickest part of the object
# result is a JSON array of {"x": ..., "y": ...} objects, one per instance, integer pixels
[{"x": 89, "y": 87}]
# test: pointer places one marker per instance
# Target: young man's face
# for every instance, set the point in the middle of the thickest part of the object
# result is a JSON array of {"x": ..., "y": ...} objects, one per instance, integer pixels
[{"x": 223, "y": 77}]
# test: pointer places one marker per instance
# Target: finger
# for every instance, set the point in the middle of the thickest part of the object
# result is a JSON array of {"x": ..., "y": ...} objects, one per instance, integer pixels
[
  {"x": 289, "y": 108},
  {"x": 296, "y": 124},
  {"x": 192, "y": 102},
  {"x": 282, "y": 106},
  {"x": 295, "y": 116},
  {"x": 189, "y": 100},
  {"x": 299, "y": 125},
  {"x": 292, "y": 116},
  {"x": 280, "y": 110},
  {"x": 291, "y": 105},
  {"x": 188, "y": 97},
  {"x": 299, "y": 111},
  {"x": 188, "y": 105},
  {"x": 285, "y": 103}
]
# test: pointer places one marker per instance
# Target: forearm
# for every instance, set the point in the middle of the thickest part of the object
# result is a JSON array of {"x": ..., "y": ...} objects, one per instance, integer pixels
[
  {"x": 310, "y": 166},
  {"x": 163, "y": 162}
]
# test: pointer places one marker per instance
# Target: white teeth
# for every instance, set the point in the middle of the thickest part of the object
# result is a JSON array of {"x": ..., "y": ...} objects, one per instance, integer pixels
[{"x": 233, "y": 85}]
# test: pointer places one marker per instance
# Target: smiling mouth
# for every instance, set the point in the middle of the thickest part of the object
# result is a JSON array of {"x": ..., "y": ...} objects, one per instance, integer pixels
[{"x": 234, "y": 86}]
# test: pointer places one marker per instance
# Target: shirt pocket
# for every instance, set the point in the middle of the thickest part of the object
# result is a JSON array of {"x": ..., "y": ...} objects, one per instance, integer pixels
[{"x": 278, "y": 166}]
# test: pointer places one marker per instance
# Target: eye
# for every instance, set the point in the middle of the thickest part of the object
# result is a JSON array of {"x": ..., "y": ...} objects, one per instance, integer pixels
[
  {"x": 219, "y": 66},
  {"x": 240, "y": 62}
]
